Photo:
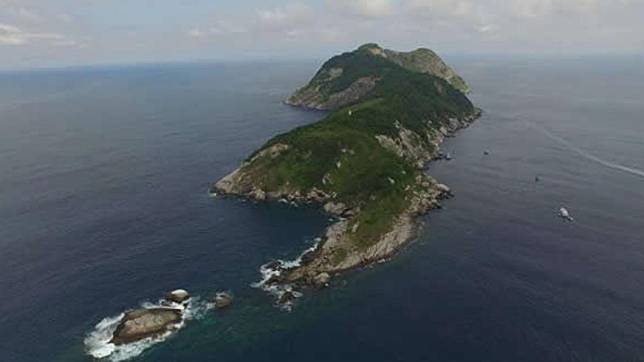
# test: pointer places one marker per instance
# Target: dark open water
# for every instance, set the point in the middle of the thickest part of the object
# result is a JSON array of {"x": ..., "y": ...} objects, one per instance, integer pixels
[{"x": 103, "y": 205}]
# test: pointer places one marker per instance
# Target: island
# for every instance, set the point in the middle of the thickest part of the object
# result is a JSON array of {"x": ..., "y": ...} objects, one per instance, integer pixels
[
  {"x": 364, "y": 163},
  {"x": 135, "y": 330}
]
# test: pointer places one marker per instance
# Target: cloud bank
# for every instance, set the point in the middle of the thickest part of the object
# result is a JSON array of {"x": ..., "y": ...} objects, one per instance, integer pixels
[{"x": 145, "y": 30}]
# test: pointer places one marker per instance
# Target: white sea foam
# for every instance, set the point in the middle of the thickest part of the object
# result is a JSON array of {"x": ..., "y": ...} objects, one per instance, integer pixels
[
  {"x": 274, "y": 269},
  {"x": 97, "y": 342}
]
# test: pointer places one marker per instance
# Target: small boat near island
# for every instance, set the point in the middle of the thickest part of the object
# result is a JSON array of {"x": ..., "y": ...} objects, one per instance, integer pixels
[{"x": 564, "y": 214}]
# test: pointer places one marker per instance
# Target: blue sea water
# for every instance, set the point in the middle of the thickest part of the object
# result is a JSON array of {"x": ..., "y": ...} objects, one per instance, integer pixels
[{"x": 104, "y": 175}]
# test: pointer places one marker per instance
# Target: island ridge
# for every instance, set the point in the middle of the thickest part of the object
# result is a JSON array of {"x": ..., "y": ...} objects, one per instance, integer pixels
[{"x": 364, "y": 163}]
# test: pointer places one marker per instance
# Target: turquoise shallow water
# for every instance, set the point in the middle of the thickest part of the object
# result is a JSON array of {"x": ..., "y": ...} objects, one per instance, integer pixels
[{"x": 103, "y": 205}]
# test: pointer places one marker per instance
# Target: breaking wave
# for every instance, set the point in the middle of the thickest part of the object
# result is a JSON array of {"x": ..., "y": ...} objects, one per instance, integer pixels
[
  {"x": 271, "y": 272},
  {"x": 97, "y": 342}
]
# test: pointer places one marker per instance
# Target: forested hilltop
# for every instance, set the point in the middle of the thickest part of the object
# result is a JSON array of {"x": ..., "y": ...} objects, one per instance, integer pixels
[{"x": 364, "y": 162}]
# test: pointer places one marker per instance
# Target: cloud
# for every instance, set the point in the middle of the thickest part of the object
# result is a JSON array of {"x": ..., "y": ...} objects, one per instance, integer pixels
[
  {"x": 77, "y": 31},
  {"x": 219, "y": 28},
  {"x": 12, "y": 35},
  {"x": 286, "y": 18},
  {"x": 26, "y": 14},
  {"x": 485, "y": 28},
  {"x": 196, "y": 33},
  {"x": 452, "y": 25},
  {"x": 289, "y": 21},
  {"x": 363, "y": 8},
  {"x": 466, "y": 15},
  {"x": 67, "y": 43},
  {"x": 547, "y": 8}
]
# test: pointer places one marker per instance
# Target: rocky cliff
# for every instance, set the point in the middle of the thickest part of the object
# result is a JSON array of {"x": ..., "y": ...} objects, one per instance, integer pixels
[
  {"x": 337, "y": 84},
  {"x": 363, "y": 163}
]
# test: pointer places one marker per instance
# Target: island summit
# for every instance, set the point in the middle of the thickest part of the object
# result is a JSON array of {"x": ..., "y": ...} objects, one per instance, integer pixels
[{"x": 364, "y": 162}]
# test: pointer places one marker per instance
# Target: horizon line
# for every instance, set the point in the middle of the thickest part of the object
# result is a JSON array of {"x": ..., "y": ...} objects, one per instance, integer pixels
[{"x": 277, "y": 59}]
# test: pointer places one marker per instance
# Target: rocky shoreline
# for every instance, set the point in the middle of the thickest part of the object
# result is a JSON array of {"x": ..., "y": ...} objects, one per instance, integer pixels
[
  {"x": 363, "y": 164},
  {"x": 316, "y": 266}
]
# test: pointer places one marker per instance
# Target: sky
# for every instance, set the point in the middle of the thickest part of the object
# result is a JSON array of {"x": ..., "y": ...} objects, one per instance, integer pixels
[{"x": 44, "y": 33}]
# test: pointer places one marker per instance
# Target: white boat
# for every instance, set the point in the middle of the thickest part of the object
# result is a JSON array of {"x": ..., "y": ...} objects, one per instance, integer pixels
[{"x": 563, "y": 213}]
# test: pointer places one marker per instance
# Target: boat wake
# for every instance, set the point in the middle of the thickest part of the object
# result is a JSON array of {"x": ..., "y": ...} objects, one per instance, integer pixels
[{"x": 585, "y": 154}]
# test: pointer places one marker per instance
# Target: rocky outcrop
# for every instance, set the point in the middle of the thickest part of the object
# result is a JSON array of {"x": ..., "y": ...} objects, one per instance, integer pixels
[
  {"x": 421, "y": 60},
  {"x": 424, "y": 60},
  {"x": 335, "y": 241},
  {"x": 136, "y": 330},
  {"x": 322, "y": 280},
  {"x": 408, "y": 145},
  {"x": 178, "y": 296},
  {"x": 335, "y": 208},
  {"x": 316, "y": 95},
  {"x": 312, "y": 98},
  {"x": 152, "y": 322},
  {"x": 143, "y": 323},
  {"x": 238, "y": 182},
  {"x": 223, "y": 300}
]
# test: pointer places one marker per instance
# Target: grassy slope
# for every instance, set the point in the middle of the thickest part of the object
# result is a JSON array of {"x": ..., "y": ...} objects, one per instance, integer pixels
[{"x": 370, "y": 177}]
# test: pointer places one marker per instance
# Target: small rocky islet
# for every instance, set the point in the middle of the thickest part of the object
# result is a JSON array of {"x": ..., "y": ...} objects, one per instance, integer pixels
[
  {"x": 364, "y": 163},
  {"x": 143, "y": 323},
  {"x": 150, "y": 323}
]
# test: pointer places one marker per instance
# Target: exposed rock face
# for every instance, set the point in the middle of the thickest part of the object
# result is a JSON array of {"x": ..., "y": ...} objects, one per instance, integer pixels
[
  {"x": 364, "y": 165},
  {"x": 320, "y": 263},
  {"x": 421, "y": 60},
  {"x": 143, "y": 323},
  {"x": 322, "y": 280},
  {"x": 237, "y": 184},
  {"x": 314, "y": 96},
  {"x": 178, "y": 296},
  {"x": 356, "y": 91},
  {"x": 223, "y": 300},
  {"x": 311, "y": 97},
  {"x": 153, "y": 323},
  {"x": 408, "y": 145},
  {"x": 335, "y": 208},
  {"x": 426, "y": 61},
  {"x": 336, "y": 236},
  {"x": 444, "y": 189}
]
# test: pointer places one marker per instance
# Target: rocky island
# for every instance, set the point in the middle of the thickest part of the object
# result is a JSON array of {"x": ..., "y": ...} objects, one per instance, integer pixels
[
  {"x": 364, "y": 163},
  {"x": 135, "y": 330}
]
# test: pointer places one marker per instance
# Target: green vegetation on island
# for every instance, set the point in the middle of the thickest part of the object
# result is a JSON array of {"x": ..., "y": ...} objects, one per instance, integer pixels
[{"x": 364, "y": 161}]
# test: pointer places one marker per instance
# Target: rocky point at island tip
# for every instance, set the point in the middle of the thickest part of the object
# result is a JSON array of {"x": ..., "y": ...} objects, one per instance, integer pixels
[{"x": 363, "y": 163}]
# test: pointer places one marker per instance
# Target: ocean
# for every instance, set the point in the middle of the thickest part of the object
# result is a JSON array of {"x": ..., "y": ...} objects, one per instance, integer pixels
[{"x": 104, "y": 206}]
